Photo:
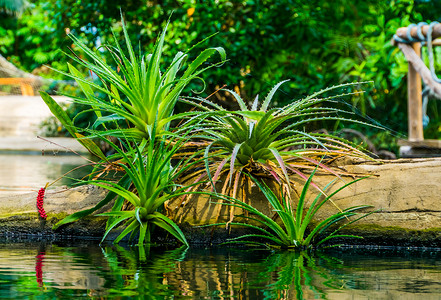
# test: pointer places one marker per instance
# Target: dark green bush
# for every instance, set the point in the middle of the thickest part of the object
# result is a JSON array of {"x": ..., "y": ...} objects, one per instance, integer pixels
[{"x": 314, "y": 43}]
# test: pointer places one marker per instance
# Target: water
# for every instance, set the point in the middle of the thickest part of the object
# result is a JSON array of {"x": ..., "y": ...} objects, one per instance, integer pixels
[
  {"x": 51, "y": 271},
  {"x": 21, "y": 173}
]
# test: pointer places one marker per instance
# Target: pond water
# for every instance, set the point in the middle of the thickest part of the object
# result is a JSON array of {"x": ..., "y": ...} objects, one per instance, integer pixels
[
  {"x": 45, "y": 270},
  {"x": 23, "y": 173}
]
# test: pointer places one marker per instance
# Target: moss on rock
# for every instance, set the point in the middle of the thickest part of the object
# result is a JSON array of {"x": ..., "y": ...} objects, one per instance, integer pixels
[{"x": 29, "y": 224}]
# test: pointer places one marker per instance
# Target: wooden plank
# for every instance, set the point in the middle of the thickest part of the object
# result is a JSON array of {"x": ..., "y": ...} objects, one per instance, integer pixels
[
  {"x": 414, "y": 101},
  {"x": 25, "y": 84},
  {"x": 436, "y": 144},
  {"x": 15, "y": 80},
  {"x": 26, "y": 89},
  {"x": 436, "y": 42}
]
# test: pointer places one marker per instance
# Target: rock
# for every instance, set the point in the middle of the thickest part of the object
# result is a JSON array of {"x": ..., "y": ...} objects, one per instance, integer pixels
[
  {"x": 18, "y": 213},
  {"x": 403, "y": 193}
]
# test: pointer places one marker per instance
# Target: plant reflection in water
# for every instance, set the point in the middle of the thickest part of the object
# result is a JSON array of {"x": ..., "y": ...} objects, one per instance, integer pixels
[
  {"x": 139, "y": 271},
  {"x": 152, "y": 273},
  {"x": 236, "y": 273},
  {"x": 301, "y": 275},
  {"x": 84, "y": 270}
]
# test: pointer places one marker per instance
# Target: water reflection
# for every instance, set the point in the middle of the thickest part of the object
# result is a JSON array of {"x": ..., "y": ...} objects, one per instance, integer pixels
[
  {"x": 90, "y": 271},
  {"x": 25, "y": 173},
  {"x": 299, "y": 275}
]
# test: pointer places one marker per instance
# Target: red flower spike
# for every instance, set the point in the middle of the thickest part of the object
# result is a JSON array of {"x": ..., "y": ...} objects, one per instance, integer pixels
[{"x": 40, "y": 208}]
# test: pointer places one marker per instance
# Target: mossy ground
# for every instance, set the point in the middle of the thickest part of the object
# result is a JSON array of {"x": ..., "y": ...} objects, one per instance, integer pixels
[
  {"x": 30, "y": 224},
  {"x": 373, "y": 234},
  {"x": 93, "y": 227}
]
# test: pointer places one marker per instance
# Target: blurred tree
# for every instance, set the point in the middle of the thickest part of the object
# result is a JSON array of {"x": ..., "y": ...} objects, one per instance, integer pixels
[
  {"x": 30, "y": 40},
  {"x": 12, "y": 6},
  {"x": 314, "y": 43}
]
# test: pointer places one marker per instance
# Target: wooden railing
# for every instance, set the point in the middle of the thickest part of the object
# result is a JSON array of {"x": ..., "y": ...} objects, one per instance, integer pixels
[
  {"x": 418, "y": 72},
  {"x": 24, "y": 83}
]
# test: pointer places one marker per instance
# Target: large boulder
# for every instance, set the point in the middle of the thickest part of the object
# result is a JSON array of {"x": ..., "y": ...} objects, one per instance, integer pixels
[
  {"x": 19, "y": 216},
  {"x": 405, "y": 195}
]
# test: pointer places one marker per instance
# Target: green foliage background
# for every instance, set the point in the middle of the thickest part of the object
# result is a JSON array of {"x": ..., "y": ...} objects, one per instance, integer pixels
[{"x": 314, "y": 43}]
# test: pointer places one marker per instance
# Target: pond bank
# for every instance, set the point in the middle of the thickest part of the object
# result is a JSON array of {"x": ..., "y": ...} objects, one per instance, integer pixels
[{"x": 404, "y": 193}]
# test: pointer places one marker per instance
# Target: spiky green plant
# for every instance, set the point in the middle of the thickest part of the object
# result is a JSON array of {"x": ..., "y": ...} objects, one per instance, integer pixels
[
  {"x": 138, "y": 89},
  {"x": 150, "y": 169},
  {"x": 148, "y": 180},
  {"x": 296, "y": 229},
  {"x": 271, "y": 142}
]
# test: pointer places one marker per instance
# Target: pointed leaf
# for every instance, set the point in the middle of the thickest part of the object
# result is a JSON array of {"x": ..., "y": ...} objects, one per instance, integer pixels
[{"x": 270, "y": 95}]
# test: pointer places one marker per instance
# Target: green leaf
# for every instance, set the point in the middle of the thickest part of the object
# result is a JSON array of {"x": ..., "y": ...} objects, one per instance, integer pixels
[
  {"x": 132, "y": 226},
  {"x": 91, "y": 146},
  {"x": 128, "y": 195},
  {"x": 59, "y": 113},
  {"x": 117, "y": 214},
  {"x": 144, "y": 234},
  {"x": 62, "y": 116},
  {"x": 168, "y": 225},
  {"x": 253, "y": 115},
  {"x": 270, "y": 95},
  {"x": 81, "y": 214},
  {"x": 87, "y": 90},
  {"x": 111, "y": 118},
  {"x": 114, "y": 224},
  {"x": 239, "y": 100}
]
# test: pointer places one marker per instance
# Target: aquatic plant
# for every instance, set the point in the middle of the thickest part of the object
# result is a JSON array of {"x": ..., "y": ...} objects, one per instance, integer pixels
[{"x": 296, "y": 229}]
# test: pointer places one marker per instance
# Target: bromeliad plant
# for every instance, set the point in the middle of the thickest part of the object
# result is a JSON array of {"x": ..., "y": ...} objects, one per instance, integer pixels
[
  {"x": 258, "y": 141},
  {"x": 295, "y": 229},
  {"x": 152, "y": 175},
  {"x": 140, "y": 93},
  {"x": 137, "y": 90},
  {"x": 271, "y": 142},
  {"x": 148, "y": 181}
]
